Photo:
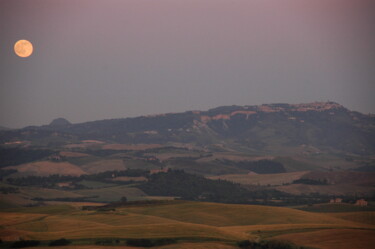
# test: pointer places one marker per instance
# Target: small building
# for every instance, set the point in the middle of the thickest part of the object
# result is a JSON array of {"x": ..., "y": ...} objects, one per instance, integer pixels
[
  {"x": 336, "y": 200},
  {"x": 65, "y": 184},
  {"x": 56, "y": 158},
  {"x": 361, "y": 202},
  {"x": 155, "y": 171}
]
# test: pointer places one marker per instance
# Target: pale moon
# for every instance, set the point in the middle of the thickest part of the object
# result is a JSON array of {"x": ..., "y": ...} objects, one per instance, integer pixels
[{"x": 23, "y": 48}]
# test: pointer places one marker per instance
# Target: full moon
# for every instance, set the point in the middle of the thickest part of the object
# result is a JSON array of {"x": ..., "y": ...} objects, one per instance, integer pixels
[{"x": 23, "y": 48}]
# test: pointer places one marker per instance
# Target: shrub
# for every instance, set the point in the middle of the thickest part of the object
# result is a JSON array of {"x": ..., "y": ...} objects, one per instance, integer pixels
[
  {"x": 244, "y": 244},
  {"x": 139, "y": 242},
  {"x": 104, "y": 242},
  {"x": 267, "y": 244},
  {"x": 60, "y": 242},
  {"x": 25, "y": 243},
  {"x": 124, "y": 199},
  {"x": 149, "y": 242}
]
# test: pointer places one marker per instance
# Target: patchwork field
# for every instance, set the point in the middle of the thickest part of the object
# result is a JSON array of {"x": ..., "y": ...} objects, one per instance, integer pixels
[
  {"x": 45, "y": 168},
  {"x": 185, "y": 225},
  {"x": 103, "y": 165},
  {"x": 109, "y": 194}
]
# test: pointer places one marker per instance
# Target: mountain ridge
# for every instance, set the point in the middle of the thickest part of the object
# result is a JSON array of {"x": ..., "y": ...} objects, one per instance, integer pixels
[{"x": 324, "y": 125}]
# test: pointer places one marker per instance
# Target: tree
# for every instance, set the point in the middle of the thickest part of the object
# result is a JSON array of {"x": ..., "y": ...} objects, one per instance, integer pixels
[{"x": 124, "y": 199}]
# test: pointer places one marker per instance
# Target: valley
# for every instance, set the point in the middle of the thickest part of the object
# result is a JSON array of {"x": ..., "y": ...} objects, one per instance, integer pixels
[{"x": 229, "y": 177}]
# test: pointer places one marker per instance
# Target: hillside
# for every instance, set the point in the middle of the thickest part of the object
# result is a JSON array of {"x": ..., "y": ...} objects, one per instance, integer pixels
[
  {"x": 277, "y": 128},
  {"x": 262, "y": 154}
]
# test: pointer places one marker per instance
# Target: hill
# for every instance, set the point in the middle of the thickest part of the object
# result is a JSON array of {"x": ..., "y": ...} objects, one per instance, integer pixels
[
  {"x": 333, "y": 238},
  {"x": 180, "y": 224},
  {"x": 260, "y": 147},
  {"x": 216, "y": 214},
  {"x": 60, "y": 122},
  {"x": 4, "y": 128},
  {"x": 46, "y": 168},
  {"x": 278, "y": 128}
]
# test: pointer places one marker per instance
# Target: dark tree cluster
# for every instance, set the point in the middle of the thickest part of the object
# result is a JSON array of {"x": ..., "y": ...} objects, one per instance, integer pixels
[
  {"x": 8, "y": 190},
  {"x": 150, "y": 242},
  {"x": 192, "y": 187},
  {"x": 366, "y": 168},
  {"x": 186, "y": 186},
  {"x": 41, "y": 181},
  {"x": 268, "y": 244},
  {"x": 6, "y": 172},
  {"x": 260, "y": 167},
  {"x": 52, "y": 180},
  {"x": 60, "y": 242},
  {"x": 15, "y": 156},
  {"x": 308, "y": 181},
  {"x": 25, "y": 243}
]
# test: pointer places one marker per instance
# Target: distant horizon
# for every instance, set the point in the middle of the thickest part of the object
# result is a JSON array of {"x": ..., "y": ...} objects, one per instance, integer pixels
[{"x": 162, "y": 113}]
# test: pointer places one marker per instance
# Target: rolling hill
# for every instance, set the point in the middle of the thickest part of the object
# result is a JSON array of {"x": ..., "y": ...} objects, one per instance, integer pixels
[
  {"x": 276, "y": 128},
  {"x": 273, "y": 151},
  {"x": 181, "y": 223}
]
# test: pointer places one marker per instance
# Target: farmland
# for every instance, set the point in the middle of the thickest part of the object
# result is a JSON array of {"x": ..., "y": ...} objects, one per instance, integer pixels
[
  {"x": 228, "y": 177},
  {"x": 183, "y": 223}
]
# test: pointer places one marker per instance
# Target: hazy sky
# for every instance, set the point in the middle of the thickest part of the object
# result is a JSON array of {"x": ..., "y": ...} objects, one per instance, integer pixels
[{"x": 109, "y": 59}]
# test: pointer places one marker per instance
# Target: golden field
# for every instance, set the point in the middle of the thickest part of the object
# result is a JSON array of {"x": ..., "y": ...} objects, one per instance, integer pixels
[{"x": 192, "y": 224}]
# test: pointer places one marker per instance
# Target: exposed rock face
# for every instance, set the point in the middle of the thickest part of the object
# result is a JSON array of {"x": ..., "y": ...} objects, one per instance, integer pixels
[
  {"x": 60, "y": 122},
  {"x": 273, "y": 108}
]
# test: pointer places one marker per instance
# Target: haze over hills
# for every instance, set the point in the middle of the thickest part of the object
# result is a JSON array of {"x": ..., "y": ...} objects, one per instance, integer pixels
[
  {"x": 4, "y": 128},
  {"x": 142, "y": 171},
  {"x": 273, "y": 128}
]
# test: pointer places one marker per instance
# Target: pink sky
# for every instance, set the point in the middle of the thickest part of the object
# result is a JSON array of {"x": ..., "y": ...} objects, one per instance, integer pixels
[{"x": 109, "y": 59}]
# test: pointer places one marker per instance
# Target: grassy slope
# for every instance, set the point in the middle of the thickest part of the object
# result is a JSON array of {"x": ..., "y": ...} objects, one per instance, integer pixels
[
  {"x": 95, "y": 184},
  {"x": 216, "y": 214},
  {"x": 334, "y": 239},
  {"x": 292, "y": 164},
  {"x": 45, "y": 168},
  {"x": 14, "y": 200},
  {"x": 180, "y": 219},
  {"x": 361, "y": 217},
  {"x": 111, "y": 194},
  {"x": 50, "y": 223},
  {"x": 26, "y": 194},
  {"x": 33, "y": 192},
  {"x": 103, "y": 165}
]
